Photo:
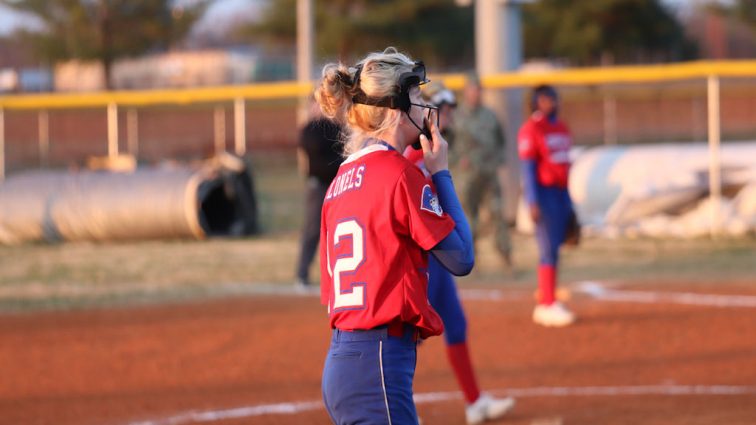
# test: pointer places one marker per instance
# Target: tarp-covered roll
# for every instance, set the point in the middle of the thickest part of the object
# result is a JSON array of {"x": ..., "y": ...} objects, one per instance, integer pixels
[
  {"x": 660, "y": 190},
  {"x": 104, "y": 206}
]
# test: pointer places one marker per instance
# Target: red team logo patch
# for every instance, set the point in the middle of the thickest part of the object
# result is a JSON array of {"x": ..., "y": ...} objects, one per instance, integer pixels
[{"x": 429, "y": 201}]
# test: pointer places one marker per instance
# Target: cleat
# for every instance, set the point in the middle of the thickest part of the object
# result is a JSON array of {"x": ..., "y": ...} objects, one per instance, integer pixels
[
  {"x": 554, "y": 315},
  {"x": 487, "y": 408},
  {"x": 302, "y": 286}
]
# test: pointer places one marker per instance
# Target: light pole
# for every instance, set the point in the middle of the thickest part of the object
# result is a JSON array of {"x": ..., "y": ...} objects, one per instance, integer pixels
[
  {"x": 304, "y": 52},
  {"x": 498, "y": 49}
]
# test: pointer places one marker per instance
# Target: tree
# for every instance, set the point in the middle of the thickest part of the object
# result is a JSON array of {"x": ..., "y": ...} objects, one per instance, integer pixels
[
  {"x": 745, "y": 10},
  {"x": 106, "y": 30},
  {"x": 601, "y": 31},
  {"x": 442, "y": 33},
  {"x": 438, "y": 31}
]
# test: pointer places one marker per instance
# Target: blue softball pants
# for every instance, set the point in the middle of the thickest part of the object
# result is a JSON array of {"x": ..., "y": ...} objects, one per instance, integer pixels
[
  {"x": 556, "y": 209},
  {"x": 367, "y": 378},
  {"x": 443, "y": 296}
]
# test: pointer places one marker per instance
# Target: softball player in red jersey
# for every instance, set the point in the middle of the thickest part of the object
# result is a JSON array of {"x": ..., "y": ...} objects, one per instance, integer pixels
[
  {"x": 443, "y": 296},
  {"x": 381, "y": 217},
  {"x": 544, "y": 143}
]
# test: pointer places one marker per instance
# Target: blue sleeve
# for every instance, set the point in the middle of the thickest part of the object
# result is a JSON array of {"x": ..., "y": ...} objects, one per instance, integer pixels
[
  {"x": 455, "y": 252},
  {"x": 529, "y": 180}
]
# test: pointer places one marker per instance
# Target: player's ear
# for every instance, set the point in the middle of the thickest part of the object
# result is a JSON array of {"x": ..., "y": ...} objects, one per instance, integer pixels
[{"x": 399, "y": 116}]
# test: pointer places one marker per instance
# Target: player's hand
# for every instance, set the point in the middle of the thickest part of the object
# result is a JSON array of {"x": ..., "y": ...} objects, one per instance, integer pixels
[
  {"x": 535, "y": 213},
  {"x": 436, "y": 151}
]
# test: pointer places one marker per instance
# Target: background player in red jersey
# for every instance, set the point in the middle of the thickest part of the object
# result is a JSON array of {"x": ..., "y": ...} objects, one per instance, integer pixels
[
  {"x": 380, "y": 219},
  {"x": 443, "y": 296},
  {"x": 544, "y": 144}
]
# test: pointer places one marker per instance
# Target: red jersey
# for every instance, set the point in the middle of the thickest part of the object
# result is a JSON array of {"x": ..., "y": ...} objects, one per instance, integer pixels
[
  {"x": 415, "y": 156},
  {"x": 380, "y": 217},
  {"x": 548, "y": 144}
]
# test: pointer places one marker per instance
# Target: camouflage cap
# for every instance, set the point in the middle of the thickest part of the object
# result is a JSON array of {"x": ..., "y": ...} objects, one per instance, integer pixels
[
  {"x": 437, "y": 94},
  {"x": 472, "y": 79}
]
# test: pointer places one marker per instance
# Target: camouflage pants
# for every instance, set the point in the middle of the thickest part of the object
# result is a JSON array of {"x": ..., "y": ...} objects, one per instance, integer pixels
[{"x": 476, "y": 186}]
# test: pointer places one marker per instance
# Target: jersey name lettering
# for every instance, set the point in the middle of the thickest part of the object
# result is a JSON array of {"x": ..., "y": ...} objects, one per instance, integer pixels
[{"x": 345, "y": 181}]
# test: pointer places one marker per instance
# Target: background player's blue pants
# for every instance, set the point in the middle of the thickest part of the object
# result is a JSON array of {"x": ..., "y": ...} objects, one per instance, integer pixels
[
  {"x": 368, "y": 376},
  {"x": 556, "y": 208},
  {"x": 442, "y": 294}
]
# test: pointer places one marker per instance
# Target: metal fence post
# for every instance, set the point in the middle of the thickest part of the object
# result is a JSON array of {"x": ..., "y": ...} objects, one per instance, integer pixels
[
  {"x": 219, "y": 125},
  {"x": 2, "y": 145},
  {"x": 132, "y": 132},
  {"x": 610, "y": 119},
  {"x": 240, "y": 127},
  {"x": 43, "y": 131},
  {"x": 112, "y": 129},
  {"x": 715, "y": 176}
]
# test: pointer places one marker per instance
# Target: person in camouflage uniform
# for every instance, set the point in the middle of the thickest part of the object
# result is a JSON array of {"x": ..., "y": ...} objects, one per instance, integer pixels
[{"x": 479, "y": 147}]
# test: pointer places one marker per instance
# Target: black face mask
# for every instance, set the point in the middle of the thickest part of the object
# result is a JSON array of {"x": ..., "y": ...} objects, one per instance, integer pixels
[{"x": 425, "y": 129}]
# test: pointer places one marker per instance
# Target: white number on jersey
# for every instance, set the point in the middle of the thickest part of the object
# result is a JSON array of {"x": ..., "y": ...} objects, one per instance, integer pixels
[{"x": 354, "y": 297}]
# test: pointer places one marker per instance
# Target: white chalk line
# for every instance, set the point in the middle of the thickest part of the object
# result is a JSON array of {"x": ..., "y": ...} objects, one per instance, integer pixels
[
  {"x": 602, "y": 292},
  {"x": 292, "y": 408},
  {"x": 595, "y": 290}
]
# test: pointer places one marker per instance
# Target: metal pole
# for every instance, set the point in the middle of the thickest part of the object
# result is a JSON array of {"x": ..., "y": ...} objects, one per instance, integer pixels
[
  {"x": 219, "y": 124},
  {"x": 132, "y": 132},
  {"x": 715, "y": 175},
  {"x": 498, "y": 48},
  {"x": 43, "y": 129},
  {"x": 304, "y": 53},
  {"x": 2, "y": 145},
  {"x": 240, "y": 127},
  {"x": 112, "y": 130},
  {"x": 610, "y": 119}
]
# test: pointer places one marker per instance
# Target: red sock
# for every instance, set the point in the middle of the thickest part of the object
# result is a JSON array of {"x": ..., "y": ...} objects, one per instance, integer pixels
[
  {"x": 546, "y": 283},
  {"x": 459, "y": 357}
]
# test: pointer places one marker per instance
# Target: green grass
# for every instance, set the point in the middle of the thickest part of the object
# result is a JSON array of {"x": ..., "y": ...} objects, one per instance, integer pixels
[
  {"x": 82, "y": 274},
  {"x": 71, "y": 275},
  {"x": 626, "y": 260}
]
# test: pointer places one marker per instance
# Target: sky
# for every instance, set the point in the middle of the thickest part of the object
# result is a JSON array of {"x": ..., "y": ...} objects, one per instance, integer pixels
[
  {"x": 216, "y": 18},
  {"x": 221, "y": 13}
]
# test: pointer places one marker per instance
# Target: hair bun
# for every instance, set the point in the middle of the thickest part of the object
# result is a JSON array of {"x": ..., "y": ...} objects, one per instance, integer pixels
[
  {"x": 345, "y": 78},
  {"x": 334, "y": 92}
]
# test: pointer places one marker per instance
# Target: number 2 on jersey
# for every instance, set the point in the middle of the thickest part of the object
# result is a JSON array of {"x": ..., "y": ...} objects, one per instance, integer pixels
[{"x": 346, "y": 265}]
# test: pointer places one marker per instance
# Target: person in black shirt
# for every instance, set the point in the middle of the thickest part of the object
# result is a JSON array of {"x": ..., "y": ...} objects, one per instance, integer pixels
[{"x": 319, "y": 157}]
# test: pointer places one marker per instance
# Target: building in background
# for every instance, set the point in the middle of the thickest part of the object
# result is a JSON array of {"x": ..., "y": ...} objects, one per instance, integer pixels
[{"x": 178, "y": 69}]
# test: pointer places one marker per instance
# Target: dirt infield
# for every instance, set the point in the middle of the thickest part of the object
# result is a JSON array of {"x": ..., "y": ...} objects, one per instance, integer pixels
[{"x": 257, "y": 359}]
